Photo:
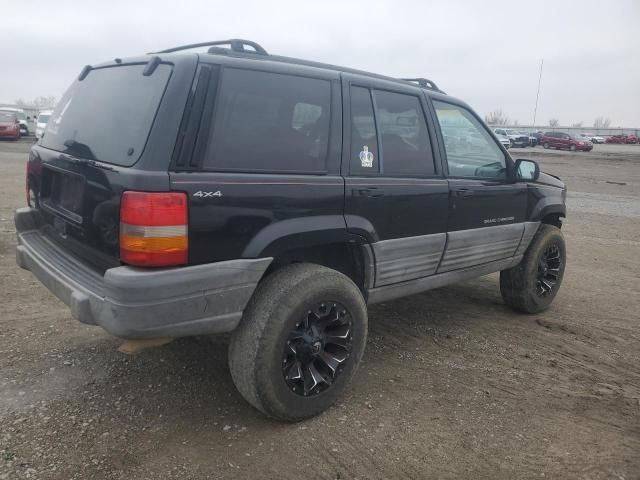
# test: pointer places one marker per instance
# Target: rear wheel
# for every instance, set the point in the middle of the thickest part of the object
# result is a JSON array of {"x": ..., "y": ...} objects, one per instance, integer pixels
[
  {"x": 545, "y": 145},
  {"x": 300, "y": 341},
  {"x": 572, "y": 148},
  {"x": 532, "y": 285}
]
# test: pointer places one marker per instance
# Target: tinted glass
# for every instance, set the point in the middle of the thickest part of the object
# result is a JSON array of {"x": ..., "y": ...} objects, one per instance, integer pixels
[
  {"x": 270, "y": 122},
  {"x": 364, "y": 143},
  {"x": 471, "y": 150},
  {"x": 108, "y": 115},
  {"x": 405, "y": 140}
]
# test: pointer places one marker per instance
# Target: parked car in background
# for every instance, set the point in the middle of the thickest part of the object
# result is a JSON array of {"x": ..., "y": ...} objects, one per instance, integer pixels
[
  {"x": 9, "y": 125},
  {"x": 504, "y": 140},
  {"x": 617, "y": 139},
  {"x": 538, "y": 134},
  {"x": 517, "y": 139},
  {"x": 590, "y": 137},
  {"x": 22, "y": 118},
  {"x": 632, "y": 139},
  {"x": 533, "y": 139},
  {"x": 41, "y": 122},
  {"x": 567, "y": 141}
]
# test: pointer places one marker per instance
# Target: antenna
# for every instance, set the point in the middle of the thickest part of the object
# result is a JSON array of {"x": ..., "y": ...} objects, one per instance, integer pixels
[{"x": 535, "y": 110}]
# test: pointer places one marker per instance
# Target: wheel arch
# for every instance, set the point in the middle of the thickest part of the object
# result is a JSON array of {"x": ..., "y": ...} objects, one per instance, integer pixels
[
  {"x": 322, "y": 240},
  {"x": 549, "y": 210}
]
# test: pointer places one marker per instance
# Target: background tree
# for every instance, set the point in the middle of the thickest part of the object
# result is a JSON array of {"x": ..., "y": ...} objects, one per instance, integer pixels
[
  {"x": 43, "y": 103},
  {"x": 554, "y": 122},
  {"x": 496, "y": 117},
  {"x": 39, "y": 103},
  {"x": 602, "y": 122}
]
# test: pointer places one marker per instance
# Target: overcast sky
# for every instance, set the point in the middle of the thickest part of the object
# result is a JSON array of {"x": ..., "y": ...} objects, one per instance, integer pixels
[{"x": 487, "y": 53}]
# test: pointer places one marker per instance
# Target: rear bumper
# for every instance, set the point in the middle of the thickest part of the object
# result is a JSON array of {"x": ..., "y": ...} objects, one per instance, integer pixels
[{"x": 133, "y": 302}]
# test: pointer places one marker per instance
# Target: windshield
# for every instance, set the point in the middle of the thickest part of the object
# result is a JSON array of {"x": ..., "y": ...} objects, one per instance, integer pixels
[
  {"x": 108, "y": 115},
  {"x": 43, "y": 117},
  {"x": 7, "y": 117},
  {"x": 511, "y": 131}
]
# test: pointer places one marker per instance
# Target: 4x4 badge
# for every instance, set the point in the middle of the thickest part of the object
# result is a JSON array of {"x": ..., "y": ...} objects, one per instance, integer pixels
[{"x": 366, "y": 157}]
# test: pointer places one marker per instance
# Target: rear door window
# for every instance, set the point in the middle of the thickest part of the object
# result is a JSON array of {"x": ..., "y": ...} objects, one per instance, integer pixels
[
  {"x": 107, "y": 116},
  {"x": 269, "y": 122},
  {"x": 406, "y": 149}
]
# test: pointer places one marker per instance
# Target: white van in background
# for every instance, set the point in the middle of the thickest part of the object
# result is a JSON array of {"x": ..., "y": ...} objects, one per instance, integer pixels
[{"x": 41, "y": 122}]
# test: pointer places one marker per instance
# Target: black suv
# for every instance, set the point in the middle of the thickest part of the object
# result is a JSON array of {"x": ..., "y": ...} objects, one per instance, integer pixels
[{"x": 184, "y": 193}]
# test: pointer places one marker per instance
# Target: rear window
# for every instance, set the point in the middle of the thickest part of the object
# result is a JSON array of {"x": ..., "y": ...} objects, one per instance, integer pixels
[
  {"x": 7, "y": 117},
  {"x": 108, "y": 115},
  {"x": 270, "y": 122}
]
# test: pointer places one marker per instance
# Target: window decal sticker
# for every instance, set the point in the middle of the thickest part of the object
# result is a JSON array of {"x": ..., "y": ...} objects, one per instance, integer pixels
[{"x": 366, "y": 157}]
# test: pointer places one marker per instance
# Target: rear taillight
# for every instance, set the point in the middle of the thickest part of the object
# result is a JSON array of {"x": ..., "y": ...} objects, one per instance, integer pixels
[{"x": 153, "y": 229}]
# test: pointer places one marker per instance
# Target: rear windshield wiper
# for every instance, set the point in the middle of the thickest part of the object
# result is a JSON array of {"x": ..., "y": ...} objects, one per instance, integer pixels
[{"x": 85, "y": 161}]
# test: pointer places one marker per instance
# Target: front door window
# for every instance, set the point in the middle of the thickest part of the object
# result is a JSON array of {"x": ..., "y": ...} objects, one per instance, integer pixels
[{"x": 471, "y": 150}]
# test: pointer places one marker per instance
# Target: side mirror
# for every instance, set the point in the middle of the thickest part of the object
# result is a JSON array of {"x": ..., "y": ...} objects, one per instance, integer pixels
[{"x": 527, "y": 170}]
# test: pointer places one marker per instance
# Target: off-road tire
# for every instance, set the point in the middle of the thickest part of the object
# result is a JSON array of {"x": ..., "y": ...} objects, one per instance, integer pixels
[
  {"x": 280, "y": 301},
  {"x": 518, "y": 284}
]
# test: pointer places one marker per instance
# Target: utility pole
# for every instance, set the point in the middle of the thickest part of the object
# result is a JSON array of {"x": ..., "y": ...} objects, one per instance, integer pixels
[{"x": 535, "y": 110}]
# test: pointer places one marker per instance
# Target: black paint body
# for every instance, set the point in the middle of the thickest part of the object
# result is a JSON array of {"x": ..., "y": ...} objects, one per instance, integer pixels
[{"x": 259, "y": 214}]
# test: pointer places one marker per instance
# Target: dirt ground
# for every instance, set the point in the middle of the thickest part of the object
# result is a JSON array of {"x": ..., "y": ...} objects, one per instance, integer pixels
[{"x": 453, "y": 383}]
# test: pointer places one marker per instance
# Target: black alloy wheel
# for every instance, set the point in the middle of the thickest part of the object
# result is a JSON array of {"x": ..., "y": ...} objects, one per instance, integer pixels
[
  {"x": 317, "y": 349},
  {"x": 549, "y": 265}
]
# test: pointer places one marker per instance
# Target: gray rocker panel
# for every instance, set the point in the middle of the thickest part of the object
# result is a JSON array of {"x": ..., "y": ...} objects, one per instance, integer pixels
[
  {"x": 411, "y": 287},
  {"x": 402, "y": 259},
  {"x": 466, "y": 248}
]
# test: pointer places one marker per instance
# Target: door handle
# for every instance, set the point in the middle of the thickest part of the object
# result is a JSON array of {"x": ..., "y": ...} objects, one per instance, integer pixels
[
  {"x": 371, "y": 192},
  {"x": 464, "y": 192}
]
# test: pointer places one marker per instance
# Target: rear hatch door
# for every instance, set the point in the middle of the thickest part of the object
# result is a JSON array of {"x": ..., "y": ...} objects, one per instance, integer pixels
[{"x": 113, "y": 130}]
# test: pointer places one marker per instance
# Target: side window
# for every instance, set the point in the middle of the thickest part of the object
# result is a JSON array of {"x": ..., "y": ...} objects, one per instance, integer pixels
[
  {"x": 269, "y": 122},
  {"x": 364, "y": 142},
  {"x": 406, "y": 149},
  {"x": 471, "y": 151}
]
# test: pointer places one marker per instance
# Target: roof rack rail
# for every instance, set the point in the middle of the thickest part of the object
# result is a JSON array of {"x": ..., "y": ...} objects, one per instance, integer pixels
[
  {"x": 237, "y": 45},
  {"x": 424, "y": 83}
]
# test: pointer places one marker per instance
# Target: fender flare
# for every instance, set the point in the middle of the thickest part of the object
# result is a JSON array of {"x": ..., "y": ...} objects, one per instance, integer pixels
[
  {"x": 278, "y": 237},
  {"x": 548, "y": 206}
]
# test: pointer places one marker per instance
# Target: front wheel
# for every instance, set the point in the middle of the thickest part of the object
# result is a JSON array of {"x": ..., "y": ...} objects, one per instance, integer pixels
[
  {"x": 572, "y": 148},
  {"x": 545, "y": 146},
  {"x": 300, "y": 341},
  {"x": 531, "y": 286}
]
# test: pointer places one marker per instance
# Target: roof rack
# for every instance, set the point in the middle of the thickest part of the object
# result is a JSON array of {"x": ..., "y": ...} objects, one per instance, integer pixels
[
  {"x": 424, "y": 83},
  {"x": 237, "y": 45}
]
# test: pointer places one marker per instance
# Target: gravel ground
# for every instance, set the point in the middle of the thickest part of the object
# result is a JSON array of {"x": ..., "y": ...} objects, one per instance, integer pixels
[{"x": 453, "y": 383}]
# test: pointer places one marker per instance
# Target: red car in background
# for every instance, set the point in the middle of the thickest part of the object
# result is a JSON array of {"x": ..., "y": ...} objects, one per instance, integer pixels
[
  {"x": 9, "y": 125},
  {"x": 565, "y": 141},
  {"x": 622, "y": 139}
]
